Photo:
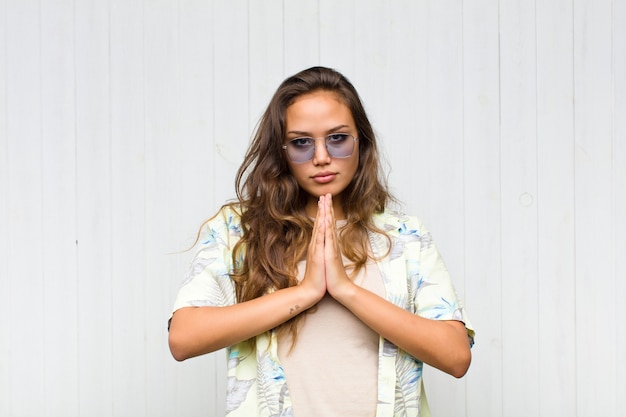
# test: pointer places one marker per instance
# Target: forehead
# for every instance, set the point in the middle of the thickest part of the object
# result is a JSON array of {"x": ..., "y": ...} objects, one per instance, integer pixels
[{"x": 315, "y": 112}]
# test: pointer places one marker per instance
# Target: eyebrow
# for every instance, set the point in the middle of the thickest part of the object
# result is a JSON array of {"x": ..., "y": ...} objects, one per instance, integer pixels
[{"x": 329, "y": 131}]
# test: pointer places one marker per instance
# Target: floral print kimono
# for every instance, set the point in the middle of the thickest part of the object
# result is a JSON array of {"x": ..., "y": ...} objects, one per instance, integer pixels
[{"x": 414, "y": 276}]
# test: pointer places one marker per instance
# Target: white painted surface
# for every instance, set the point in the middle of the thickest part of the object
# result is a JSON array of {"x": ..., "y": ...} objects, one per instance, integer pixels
[{"x": 122, "y": 124}]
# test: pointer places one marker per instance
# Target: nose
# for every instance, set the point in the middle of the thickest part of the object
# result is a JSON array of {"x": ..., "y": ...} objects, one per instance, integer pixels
[{"x": 321, "y": 156}]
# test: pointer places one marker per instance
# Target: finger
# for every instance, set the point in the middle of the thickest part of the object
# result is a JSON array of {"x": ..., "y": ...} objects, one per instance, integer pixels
[
  {"x": 334, "y": 267},
  {"x": 318, "y": 225},
  {"x": 331, "y": 247},
  {"x": 314, "y": 274},
  {"x": 334, "y": 240},
  {"x": 315, "y": 255},
  {"x": 330, "y": 208}
]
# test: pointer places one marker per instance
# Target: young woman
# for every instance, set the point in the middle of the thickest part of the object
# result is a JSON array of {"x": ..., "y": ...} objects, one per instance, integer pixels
[{"x": 328, "y": 303}]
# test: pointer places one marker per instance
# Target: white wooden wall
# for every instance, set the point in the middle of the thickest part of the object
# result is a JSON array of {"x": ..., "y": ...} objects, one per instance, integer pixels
[{"x": 122, "y": 123}]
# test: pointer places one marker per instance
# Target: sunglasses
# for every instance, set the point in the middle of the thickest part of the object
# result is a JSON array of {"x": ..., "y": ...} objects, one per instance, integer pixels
[{"x": 338, "y": 145}]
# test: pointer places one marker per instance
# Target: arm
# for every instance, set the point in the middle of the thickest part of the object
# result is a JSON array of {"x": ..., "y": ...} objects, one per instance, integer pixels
[
  {"x": 442, "y": 344},
  {"x": 195, "y": 331}
]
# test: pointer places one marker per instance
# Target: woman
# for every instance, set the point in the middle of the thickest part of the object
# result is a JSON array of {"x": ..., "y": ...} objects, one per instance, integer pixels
[{"x": 328, "y": 303}]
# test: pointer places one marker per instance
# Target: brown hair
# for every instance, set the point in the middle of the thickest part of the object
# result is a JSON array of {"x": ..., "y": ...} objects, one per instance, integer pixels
[{"x": 276, "y": 228}]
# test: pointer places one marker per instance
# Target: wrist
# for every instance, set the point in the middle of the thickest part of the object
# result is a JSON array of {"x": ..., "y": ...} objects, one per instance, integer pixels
[
  {"x": 345, "y": 292},
  {"x": 309, "y": 295}
]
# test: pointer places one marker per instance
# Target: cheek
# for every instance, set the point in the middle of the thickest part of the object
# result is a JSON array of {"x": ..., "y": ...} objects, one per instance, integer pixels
[{"x": 296, "y": 172}]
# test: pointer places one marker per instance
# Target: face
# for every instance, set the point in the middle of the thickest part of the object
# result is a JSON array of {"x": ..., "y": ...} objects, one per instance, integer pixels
[{"x": 318, "y": 115}]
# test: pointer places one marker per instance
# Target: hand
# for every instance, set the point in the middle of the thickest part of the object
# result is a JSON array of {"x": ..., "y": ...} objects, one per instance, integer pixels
[
  {"x": 315, "y": 274},
  {"x": 325, "y": 271},
  {"x": 337, "y": 279}
]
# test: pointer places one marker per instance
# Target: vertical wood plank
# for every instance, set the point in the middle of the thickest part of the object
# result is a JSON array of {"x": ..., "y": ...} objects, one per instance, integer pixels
[
  {"x": 163, "y": 236},
  {"x": 440, "y": 152},
  {"x": 93, "y": 164},
  {"x": 403, "y": 118},
  {"x": 595, "y": 277},
  {"x": 301, "y": 27},
  {"x": 482, "y": 215},
  {"x": 337, "y": 23},
  {"x": 619, "y": 193},
  {"x": 5, "y": 280},
  {"x": 60, "y": 327},
  {"x": 128, "y": 315},
  {"x": 25, "y": 216},
  {"x": 370, "y": 73},
  {"x": 555, "y": 205},
  {"x": 196, "y": 114},
  {"x": 265, "y": 55},
  {"x": 518, "y": 161},
  {"x": 231, "y": 92}
]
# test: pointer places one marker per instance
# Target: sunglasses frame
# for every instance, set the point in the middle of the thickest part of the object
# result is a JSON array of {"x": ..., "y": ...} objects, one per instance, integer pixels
[{"x": 325, "y": 138}]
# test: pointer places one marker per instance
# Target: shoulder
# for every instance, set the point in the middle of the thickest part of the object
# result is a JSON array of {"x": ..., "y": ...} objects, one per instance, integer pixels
[
  {"x": 398, "y": 224},
  {"x": 224, "y": 225},
  {"x": 229, "y": 214}
]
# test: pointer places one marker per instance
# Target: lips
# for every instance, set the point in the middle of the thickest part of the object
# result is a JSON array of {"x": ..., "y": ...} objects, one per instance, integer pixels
[{"x": 324, "y": 177}]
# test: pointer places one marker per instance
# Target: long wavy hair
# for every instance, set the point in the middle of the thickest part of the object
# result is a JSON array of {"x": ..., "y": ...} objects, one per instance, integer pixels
[{"x": 275, "y": 225}]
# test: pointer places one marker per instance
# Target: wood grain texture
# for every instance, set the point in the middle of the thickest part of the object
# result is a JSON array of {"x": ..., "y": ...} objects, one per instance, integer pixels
[
  {"x": 5, "y": 281},
  {"x": 555, "y": 204},
  {"x": 482, "y": 213},
  {"x": 24, "y": 205},
  {"x": 596, "y": 322},
  {"x": 122, "y": 125},
  {"x": 619, "y": 195},
  {"x": 518, "y": 160},
  {"x": 59, "y": 206}
]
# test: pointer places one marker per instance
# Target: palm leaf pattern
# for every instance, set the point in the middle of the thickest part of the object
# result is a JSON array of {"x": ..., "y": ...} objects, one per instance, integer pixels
[
  {"x": 409, "y": 375},
  {"x": 272, "y": 389},
  {"x": 237, "y": 392},
  {"x": 198, "y": 265}
]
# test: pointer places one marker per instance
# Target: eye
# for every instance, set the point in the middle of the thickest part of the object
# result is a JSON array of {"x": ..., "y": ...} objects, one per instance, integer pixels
[
  {"x": 337, "y": 138},
  {"x": 301, "y": 143}
]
